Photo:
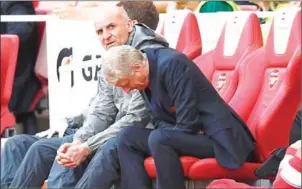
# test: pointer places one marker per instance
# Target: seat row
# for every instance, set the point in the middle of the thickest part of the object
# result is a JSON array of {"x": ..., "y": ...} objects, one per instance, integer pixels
[{"x": 261, "y": 83}]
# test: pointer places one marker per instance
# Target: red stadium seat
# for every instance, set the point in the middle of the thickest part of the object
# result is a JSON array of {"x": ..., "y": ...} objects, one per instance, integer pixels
[
  {"x": 180, "y": 28},
  {"x": 240, "y": 36},
  {"x": 278, "y": 66},
  {"x": 9, "y": 56},
  {"x": 224, "y": 69}
]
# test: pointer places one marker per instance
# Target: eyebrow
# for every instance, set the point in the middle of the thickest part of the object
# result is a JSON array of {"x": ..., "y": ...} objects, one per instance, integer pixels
[{"x": 104, "y": 26}]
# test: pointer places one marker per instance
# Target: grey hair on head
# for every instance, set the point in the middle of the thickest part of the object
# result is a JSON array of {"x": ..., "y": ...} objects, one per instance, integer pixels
[{"x": 118, "y": 62}]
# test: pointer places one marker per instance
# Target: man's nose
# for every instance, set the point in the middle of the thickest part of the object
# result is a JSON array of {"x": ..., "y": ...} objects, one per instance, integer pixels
[
  {"x": 126, "y": 89},
  {"x": 106, "y": 34}
]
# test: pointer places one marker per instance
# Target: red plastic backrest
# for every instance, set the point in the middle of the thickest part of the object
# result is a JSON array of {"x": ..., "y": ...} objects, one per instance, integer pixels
[
  {"x": 186, "y": 36},
  {"x": 221, "y": 67},
  {"x": 9, "y": 56}
]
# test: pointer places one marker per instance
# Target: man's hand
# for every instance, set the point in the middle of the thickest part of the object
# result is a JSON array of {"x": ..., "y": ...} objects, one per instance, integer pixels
[
  {"x": 62, "y": 157},
  {"x": 78, "y": 153}
]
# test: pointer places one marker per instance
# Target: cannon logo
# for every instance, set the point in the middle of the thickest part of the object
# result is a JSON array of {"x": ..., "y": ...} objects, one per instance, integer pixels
[
  {"x": 274, "y": 77},
  {"x": 87, "y": 73},
  {"x": 221, "y": 81}
]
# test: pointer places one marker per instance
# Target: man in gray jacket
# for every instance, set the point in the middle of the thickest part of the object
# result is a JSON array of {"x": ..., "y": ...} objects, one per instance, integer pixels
[{"x": 89, "y": 158}]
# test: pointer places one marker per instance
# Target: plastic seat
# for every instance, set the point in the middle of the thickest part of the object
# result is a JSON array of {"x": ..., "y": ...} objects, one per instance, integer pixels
[
  {"x": 240, "y": 36},
  {"x": 9, "y": 57},
  {"x": 180, "y": 28},
  {"x": 223, "y": 69},
  {"x": 277, "y": 65}
]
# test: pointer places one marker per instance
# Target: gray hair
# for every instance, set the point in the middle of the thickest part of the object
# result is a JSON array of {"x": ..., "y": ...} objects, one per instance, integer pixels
[{"x": 117, "y": 62}]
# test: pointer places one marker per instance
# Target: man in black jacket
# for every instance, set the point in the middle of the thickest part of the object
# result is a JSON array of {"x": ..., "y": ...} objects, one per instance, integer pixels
[{"x": 190, "y": 117}]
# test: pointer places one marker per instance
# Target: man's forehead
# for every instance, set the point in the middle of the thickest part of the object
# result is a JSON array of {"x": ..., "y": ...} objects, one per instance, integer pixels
[
  {"x": 106, "y": 20},
  {"x": 108, "y": 17}
]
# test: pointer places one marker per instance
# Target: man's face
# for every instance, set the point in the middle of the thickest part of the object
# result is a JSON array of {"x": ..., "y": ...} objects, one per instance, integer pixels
[
  {"x": 138, "y": 80},
  {"x": 113, "y": 29}
]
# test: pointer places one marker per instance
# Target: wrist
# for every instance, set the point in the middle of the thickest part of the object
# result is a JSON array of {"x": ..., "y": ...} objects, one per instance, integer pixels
[{"x": 86, "y": 149}]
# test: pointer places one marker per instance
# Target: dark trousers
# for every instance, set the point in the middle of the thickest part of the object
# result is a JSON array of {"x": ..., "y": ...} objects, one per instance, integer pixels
[
  {"x": 26, "y": 160},
  {"x": 165, "y": 145},
  {"x": 100, "y": 170}
]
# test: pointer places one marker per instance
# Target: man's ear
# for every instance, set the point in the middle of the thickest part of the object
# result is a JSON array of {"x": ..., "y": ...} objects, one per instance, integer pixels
[
  {"x": 130, "y": 25},
  {"x": 136, "y": 67}
]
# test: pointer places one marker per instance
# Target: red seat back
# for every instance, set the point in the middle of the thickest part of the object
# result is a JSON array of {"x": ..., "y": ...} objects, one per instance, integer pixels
[
  {"x": 280, "y": 94},
  {"x": 9, "y": 56},
  {"x": 180, "y": 28},
  {"x": 240, "y": 36}
]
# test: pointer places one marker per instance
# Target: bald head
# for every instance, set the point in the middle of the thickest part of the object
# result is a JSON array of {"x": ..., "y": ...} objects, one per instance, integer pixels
[
  {"x": 112, "y": 25},
  {"x": 105, "y": 13}
]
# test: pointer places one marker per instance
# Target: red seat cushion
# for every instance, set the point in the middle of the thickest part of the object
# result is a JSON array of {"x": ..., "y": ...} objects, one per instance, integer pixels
[
  {"x": 209, "y": 168},
  {"x": 186, "y": 162}
]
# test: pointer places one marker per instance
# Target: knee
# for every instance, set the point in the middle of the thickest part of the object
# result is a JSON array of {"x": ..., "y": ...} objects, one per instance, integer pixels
[
  {"x": 108, "y": 152},
  {"x": 17, "y": 141},
  {"x": 156, "y": 139},
  {"x": 125, "y": 136},
  {"x": 109, "y": 146},
  {"x": 67, "y": 139},
  {"x": 37, "y": 147}
]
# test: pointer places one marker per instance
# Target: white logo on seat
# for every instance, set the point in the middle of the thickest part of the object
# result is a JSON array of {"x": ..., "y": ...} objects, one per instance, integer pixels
[{"x": 274, "y": 77}]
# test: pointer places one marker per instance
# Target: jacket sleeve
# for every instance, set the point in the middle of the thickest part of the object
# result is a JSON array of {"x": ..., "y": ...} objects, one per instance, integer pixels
[
  {"x": 180, "y": 86},
  {"x": 100, "y": 115},
  {"x": 23, "y": 29},
  {"x": 136, "y": 115}
]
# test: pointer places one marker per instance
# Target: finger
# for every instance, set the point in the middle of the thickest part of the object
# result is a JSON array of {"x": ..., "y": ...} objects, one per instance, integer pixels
[
  {"x": 58, "y": 158},
  {"x": 65, "y": 161},
  {"x": 70, "y": 165},
  {"x": 64, "y": 147},
  {"x": 65, "y": 156},
  {"x": 61, "y": 155},
  {"x": 61, "y": 149}
]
